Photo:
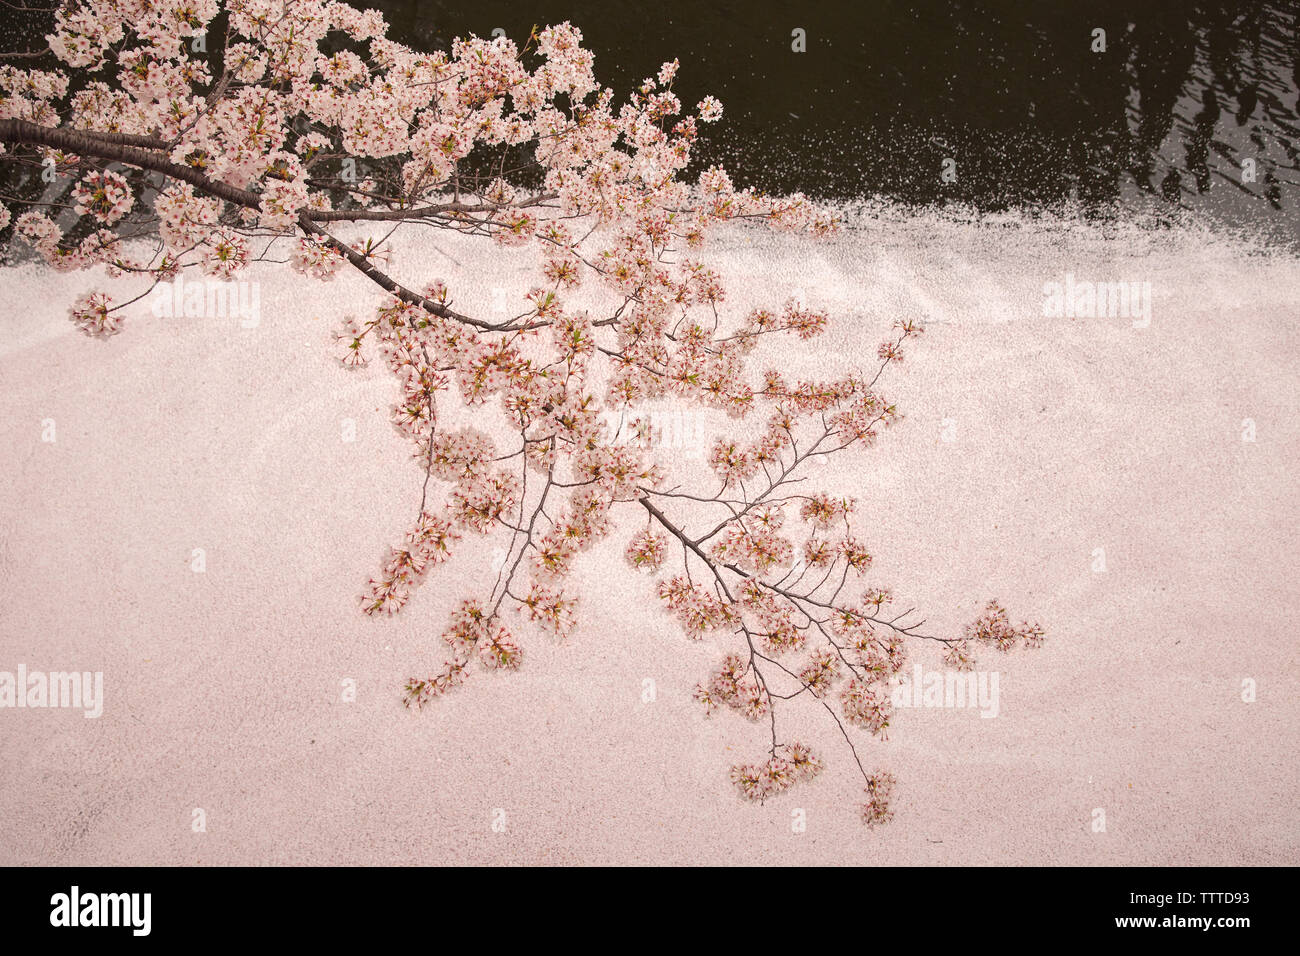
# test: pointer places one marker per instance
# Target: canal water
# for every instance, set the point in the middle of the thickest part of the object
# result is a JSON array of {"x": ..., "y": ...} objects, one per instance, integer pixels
[
  {"x": 1094, "y": 107},
  {"x": 990, "y": 105}
]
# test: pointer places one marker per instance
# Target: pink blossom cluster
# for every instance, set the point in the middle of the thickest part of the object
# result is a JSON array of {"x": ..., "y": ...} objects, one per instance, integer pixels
[
  {"x": 317, "y": 119},
  {"x": 307, "y": 82},
  {"x": 226, "y": 253},
  {"x": 472, "y": 632},
  {"x": 698, "y": 611},
  {"x": 104, "y": 195},
  {"x": 755, "y": 544},
  {"x": 93, "y": 316},
  {"x": 879, "y": 791},
  {"x": 316, "y": 259},
  {"x": 425, "y": 545},
  {"x": 735, "y": 685},
  {"x": 646, "y": 550},
  {"x": 789, "y": 764},
  {"x": 866, "y": 705},
  {"x": 770, "y": 619},
  {"x": 992, "y": 629}
]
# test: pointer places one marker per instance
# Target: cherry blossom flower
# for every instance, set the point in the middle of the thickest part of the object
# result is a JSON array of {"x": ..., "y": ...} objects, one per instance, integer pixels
[
  {"x": 320, "y": 123},
  {"x": 92, "y": 315},
  {"x": 866, "y": 705},
  {"x": 994, "y": 629},
  {"x": 646, "y": 550},
  {"x": 225, "y": 253},
  {"x": 316, "y": 259},
  {"x": 879, "y": 791},
  {"x": 104, "y": 195}
]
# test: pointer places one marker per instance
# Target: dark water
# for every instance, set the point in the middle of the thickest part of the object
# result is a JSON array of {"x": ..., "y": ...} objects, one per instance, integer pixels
[{"x": 1011, "y": 91}]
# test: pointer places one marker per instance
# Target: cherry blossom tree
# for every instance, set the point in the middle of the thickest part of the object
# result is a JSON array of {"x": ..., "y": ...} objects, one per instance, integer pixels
[{"x": 197, "y": 136}]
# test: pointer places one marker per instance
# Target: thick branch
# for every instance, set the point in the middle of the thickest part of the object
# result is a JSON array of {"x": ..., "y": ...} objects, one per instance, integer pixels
[
  {"x": 130, "y": 148},
  {"x": 382, "y": 279},
  {"x": 22, "y": 132},
  {"x": 108, "y": 147}
]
